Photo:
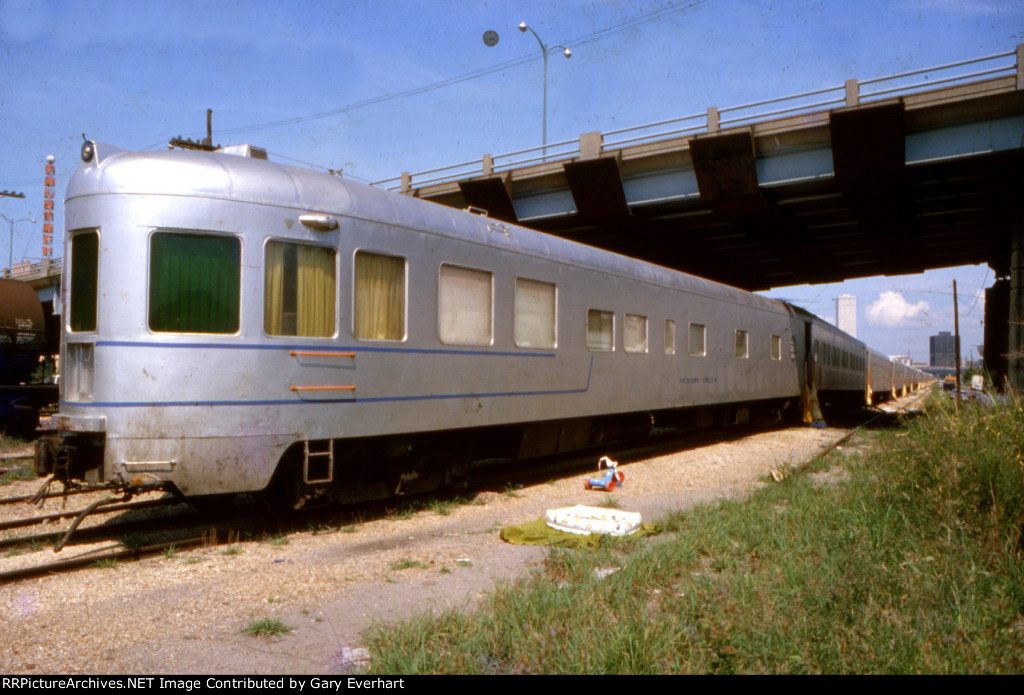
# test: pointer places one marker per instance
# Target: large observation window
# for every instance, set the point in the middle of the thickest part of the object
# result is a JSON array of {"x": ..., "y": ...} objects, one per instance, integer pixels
[
  {"x": 85, "y": 247},
  {"x": 194, "y": 283},
  {"x": 299, "y": 290},
  {"x": 379, "y": 301}
]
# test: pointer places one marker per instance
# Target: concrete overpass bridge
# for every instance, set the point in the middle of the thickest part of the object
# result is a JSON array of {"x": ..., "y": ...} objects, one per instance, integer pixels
[{"x": 885, "y": 176}]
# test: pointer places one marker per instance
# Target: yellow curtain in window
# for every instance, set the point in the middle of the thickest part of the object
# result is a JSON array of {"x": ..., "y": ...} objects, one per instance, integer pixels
[
  {"x": 315, "y": 293},
  {"x": 274, "y": 290},
  {"x": 379, "y": 297}
]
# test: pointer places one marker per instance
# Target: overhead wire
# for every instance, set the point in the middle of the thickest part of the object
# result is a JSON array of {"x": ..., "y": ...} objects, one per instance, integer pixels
[{"x": 458, "y": 79}]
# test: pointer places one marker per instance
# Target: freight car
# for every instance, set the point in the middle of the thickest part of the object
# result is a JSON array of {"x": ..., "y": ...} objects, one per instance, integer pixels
[
  {"x": 23, "y": 343},
  {"x": 238, "y": 325}
]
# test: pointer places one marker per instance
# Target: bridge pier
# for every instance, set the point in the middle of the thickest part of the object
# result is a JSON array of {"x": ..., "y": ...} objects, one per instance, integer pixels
[
  {"x": 1004, "y": 316},
  {"x": 997, "y": 311},
  {"x": 1015, "y": 327}
]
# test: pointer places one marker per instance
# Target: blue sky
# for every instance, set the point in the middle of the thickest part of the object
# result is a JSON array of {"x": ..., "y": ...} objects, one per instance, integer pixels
[{"x": 353, "y": 85}]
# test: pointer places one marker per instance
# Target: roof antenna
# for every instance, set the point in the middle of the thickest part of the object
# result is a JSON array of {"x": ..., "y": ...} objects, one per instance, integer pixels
[
  {"x": 204, "y": 144},
  {"x": 209, "y": 128}
]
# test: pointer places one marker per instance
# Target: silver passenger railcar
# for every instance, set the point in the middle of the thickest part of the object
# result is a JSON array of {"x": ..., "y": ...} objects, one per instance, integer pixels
[{"x": 235, "y": 325}]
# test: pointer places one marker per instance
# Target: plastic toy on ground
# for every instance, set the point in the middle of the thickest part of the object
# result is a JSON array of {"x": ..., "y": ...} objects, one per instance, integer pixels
[{"x": 612, "y": 478}]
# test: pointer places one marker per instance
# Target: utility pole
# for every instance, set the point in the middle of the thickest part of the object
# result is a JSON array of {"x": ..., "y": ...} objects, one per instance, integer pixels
[{"x": 956, "y": 342}]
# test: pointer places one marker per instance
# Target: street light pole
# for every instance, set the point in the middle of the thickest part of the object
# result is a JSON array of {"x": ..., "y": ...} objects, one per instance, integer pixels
[
  {"x": 544, "y": 51},
  {"x": 10, "y": 250}
]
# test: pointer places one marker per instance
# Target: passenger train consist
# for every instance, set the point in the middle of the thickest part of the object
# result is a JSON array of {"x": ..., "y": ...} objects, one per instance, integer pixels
[{"x": 234, "y": 325}]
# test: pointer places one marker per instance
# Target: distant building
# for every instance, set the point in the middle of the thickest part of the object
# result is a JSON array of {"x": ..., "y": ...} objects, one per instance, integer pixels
[
  {"x": 943, "y": 348},
  {"x": 846, "y": 314}
]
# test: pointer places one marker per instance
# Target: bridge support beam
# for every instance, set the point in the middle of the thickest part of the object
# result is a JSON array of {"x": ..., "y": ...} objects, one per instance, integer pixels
[
  {"x": 997, "y": 310},
  {"x": 1015, "y": 329},
  {"x": 596, "y": 187},
  {"x": 491, "y": 194}
]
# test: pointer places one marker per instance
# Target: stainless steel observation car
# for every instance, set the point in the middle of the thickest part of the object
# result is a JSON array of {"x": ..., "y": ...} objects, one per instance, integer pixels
[{"x": 234, "y": 324}]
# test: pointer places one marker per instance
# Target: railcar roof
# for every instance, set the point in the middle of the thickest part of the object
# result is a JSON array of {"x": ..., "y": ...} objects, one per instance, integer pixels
[{"x": 231, "y": 177}]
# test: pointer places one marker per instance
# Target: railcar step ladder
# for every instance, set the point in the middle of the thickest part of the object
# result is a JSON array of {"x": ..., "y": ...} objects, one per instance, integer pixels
[{"x": 318, "y": 463}]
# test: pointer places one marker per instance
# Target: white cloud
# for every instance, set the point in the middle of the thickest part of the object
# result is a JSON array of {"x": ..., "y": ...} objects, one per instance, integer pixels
[{"x": 891, "y": 309}]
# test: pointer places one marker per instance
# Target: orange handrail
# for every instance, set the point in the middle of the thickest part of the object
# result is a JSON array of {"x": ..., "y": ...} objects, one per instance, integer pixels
[{"x": 323, "y": 388}]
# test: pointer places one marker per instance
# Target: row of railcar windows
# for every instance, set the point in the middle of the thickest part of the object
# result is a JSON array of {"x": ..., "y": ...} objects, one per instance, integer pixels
[
  {"x": 195, "y": 288},
  {"x": 833, "y": 356}
]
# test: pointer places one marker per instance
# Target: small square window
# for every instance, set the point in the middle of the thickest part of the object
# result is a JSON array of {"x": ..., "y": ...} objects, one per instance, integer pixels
[
  {"x": 742, "y": 347},
  {"x": 697, "y": 342},
  {"x": 536, "y": 314},
  {"x": 600, "y": 330},
  {"x": 635, "y": 333},
  {"x": 465, "y": 306}
]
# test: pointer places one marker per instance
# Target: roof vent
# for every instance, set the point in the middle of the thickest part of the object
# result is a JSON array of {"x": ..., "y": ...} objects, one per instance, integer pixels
[{"x": 250, "y": 151}]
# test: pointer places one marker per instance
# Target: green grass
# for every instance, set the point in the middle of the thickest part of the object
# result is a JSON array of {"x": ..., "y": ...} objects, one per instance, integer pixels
[
  {"x": 914, "y": 563},
  {"x": 438, "y": 505},
  {"x": 407, "y": 563},
  {"x": 23, "y": 471},
  {"x": 403, "y": 512},
  {"x": 266, "y": 627}
]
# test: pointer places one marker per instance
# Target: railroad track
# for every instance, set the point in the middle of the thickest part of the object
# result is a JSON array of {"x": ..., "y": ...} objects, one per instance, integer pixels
[
  {"x": 134, "y": 539},
  {"x": 194, "y": 528}
]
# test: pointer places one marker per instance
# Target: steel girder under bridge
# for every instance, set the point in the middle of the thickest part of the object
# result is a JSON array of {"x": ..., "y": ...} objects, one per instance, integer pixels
[{"x": 890, "y": 176}]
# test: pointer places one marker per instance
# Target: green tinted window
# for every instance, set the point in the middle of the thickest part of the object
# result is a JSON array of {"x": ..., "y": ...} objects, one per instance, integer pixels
[
  {"x": 194, "y": 283},
  {"x": 85, "y": 249}
]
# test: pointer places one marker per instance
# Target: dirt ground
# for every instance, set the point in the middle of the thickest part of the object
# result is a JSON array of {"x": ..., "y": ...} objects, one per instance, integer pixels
[{"x": 186, "y": 614}]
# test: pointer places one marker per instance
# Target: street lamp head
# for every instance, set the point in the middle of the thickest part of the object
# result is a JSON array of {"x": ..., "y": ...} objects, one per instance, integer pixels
[
  {"x": 522, "y": 27},
  {"x": 568, "y": 53}
]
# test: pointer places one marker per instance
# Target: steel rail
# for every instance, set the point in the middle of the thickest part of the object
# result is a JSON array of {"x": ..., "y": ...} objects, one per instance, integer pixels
[
  {"x": 92, "y": 560},
  {"x": 126, "y": 506}
]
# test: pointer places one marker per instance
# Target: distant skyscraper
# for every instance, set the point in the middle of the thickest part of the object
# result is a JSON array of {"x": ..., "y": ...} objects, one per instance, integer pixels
[
  {"x": 942, "y": 348},
  {"x": 846, "y": 314}
]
